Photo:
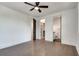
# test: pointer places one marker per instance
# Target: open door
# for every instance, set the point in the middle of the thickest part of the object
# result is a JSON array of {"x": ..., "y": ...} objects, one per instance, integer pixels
[
  {"x": 34, "y": 29},
  {"x": 57, "y": 29}
]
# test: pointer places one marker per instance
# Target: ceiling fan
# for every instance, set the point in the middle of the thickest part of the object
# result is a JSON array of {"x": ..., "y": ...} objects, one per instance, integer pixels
[{"x": 36, "y": 6}]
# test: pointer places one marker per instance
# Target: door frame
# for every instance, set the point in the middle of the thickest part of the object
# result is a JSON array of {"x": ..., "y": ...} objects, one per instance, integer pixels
[
  {"x": 42, "y": 34},
  {"x": 34, "y": 29}
]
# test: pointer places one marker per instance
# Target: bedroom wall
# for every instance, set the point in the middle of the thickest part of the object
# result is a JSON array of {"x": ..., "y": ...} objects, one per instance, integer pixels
[
  {"x": 69, "y": 26},
  {"x": 49, "y": 28},
  {"x": 15, "y": 27},
  {"x": 77, "y": 44}
]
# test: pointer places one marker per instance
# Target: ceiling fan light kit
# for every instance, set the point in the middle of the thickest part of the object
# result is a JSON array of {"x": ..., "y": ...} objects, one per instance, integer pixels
[{"x": 36, "y": 8}]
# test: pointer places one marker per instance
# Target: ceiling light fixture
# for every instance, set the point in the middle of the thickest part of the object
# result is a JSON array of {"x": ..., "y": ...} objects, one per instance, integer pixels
[
  {"x": 42, "y": 20},
  {"x": 36, "y": 8}
]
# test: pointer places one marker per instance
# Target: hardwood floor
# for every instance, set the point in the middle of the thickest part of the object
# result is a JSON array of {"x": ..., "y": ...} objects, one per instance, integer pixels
[{"x": 40, "y": 48}]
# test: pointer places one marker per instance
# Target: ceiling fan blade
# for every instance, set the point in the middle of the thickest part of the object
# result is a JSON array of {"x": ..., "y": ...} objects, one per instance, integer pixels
[
  {"x": 37, "y": 3},
  {"x": 43, "y": 6},
  {"x": 31, "y": 9},
  {"x": 39, "y": 10},
  {"x": 29, "y": 3}
]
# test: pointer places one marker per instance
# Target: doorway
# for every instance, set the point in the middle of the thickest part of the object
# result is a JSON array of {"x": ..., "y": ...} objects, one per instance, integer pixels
[
  {"x": 57, "y": 29},
  {"x": 42, "y": 27},
  {"x": 34, "y": 29}
]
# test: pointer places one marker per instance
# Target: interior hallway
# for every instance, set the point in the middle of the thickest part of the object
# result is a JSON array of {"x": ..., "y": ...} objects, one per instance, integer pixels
[{"x": 40, "y": 48}]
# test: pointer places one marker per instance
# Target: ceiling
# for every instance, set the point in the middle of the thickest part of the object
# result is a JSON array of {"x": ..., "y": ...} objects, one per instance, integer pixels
[{"x": 52, "y": 7}]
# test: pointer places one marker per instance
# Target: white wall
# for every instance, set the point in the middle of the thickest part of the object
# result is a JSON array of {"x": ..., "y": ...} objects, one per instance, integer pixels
[
  {"x": 49, "y": 28},
  {"x": 69, "y": 26},
  {"x": 38, "y": 30},
  {"x": 15, "y": 27},
  {"x": 77, "y": 45}
]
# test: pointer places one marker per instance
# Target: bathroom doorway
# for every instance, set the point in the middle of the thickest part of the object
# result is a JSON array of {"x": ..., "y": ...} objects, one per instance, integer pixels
[{"x": 57, "y": 29}]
